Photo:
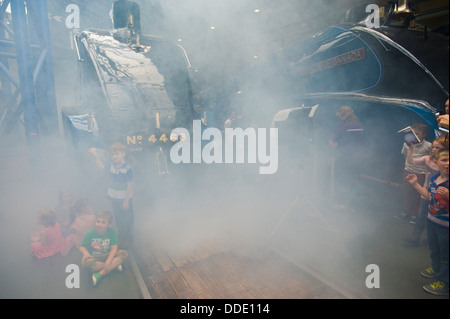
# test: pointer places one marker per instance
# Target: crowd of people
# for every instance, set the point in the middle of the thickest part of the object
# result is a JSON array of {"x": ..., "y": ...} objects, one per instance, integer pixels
[
  {"x": 426, "y": 198},
  {"x": 73, "y": 224},
  {"x": 425, "y": 189}
]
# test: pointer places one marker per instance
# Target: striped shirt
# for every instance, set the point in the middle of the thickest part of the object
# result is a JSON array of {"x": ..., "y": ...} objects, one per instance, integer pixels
[
  {"x": 421, "y": 149},
  {"x": 438, "y": 210},
  {"x": 119, "y": 177}
]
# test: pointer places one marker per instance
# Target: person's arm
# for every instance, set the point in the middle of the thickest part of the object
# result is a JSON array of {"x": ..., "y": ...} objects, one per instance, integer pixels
[
  {"x": 85, "y": 253},
  {"x": 416, "y": 161},
  {"x": 83, "y": 248},
  {"x": 336, "y": 136},
  {"x": 404, "y": 149},
  {"x": 443, "y": 121},
  {"x": 43, "y": 238},
  {"x": 98, "y": 161},
  {"x": 129, "y": 191},
  {"x": 412, "y": 179},
  {"x": 443, "y": 191},
  {"x": 443, "y": 124},
  {"x": 409, "y": 154}
]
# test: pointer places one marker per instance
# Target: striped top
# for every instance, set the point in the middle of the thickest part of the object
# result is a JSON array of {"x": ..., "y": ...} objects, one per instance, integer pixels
[
  {"x": 421, "y": 149},
  {"x": 119, "y": 177},
  {"x": 438, "y": 210}
]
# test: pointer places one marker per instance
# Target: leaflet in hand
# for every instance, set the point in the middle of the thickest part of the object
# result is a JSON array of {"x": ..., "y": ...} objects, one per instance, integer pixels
[{"x": 410, "y": 136}]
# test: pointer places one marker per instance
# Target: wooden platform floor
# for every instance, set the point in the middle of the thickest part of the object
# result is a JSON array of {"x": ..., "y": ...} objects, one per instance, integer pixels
[{"x": 212, "y": 271}]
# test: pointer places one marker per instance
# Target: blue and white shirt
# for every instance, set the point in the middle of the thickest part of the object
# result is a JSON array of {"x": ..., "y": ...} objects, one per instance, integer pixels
[
  {"x": 118, "y": 181},
  {"x": 438, "y": 210}
]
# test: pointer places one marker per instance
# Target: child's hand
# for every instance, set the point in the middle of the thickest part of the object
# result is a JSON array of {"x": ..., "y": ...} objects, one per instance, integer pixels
[
  {"x": 411, "y": 178},
  {"x": 125, "y": 205},
  {"x": 36, "y": 236},
  {"x": 443, "y": 121},
  {"x": 93, "y": 151},
  {"x": 85, "y": 256},
  {"x": 42, "y": 237},
  {"x": 443, "y": 191}
]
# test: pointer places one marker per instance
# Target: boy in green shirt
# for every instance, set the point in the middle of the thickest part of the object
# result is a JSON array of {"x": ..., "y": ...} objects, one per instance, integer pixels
[{"x": 100, "y": 249}]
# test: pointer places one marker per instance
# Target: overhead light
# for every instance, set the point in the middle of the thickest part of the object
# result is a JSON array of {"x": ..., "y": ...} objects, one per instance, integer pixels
[
  {"x": 256, "y": 11},
  {"x": 212, "y": 27}
]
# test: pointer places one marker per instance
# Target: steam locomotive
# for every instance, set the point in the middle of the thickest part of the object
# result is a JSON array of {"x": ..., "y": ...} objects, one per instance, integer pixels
[
  {"x": 392, "y": 77},
  {"x": 135, "y": 89}
]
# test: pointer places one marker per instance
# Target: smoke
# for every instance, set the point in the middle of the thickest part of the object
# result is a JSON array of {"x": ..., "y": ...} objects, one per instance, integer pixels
[
  {"x": 225, "y": 37},
  {"x": 201, "y": 209}
]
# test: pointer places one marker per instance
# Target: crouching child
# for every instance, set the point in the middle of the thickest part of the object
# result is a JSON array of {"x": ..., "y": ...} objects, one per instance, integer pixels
[{"x": 100, "y": 249}]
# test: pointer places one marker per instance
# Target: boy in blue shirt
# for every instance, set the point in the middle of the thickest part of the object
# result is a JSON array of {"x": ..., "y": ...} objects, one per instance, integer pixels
[
  {"x": 100, "y": 250},
  {"x": 120, "y": 192},
  {"x": 437, "y": 224}
]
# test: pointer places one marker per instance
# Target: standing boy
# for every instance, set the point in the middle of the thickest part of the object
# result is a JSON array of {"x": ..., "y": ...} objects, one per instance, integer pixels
[
  {"x": 100, "y": 250},
  {"x": 120, "y": 192},
  {"x": 437, "y": 224},
  {"x": 411, "y": 199}
]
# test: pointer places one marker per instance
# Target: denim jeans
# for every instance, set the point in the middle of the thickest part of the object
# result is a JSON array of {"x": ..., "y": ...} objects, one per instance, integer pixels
[
  {"x": 438, "y": 244},
  {"x": 421, "y": 221},
  {"x": 125, "y": 223}
]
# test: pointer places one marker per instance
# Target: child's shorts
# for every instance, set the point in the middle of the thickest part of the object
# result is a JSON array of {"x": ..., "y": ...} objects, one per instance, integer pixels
[{"x": 89, "y": 263}]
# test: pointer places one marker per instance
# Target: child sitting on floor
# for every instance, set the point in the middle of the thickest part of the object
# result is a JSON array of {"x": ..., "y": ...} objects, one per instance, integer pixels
[
  {"x": 100, "y": 248},
  {"x": 49, "y": 241},
  {"x": 82, "y": 219}
]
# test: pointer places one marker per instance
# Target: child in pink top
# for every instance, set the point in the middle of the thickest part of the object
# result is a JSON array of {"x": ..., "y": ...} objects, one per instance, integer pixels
[
  {"x": 49, "y": 241},
  {"x": 82, "y": 219},
  {"x": 427, "y": 160},
  {"x": 431, "y": 169}
]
